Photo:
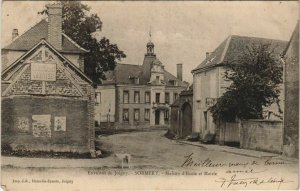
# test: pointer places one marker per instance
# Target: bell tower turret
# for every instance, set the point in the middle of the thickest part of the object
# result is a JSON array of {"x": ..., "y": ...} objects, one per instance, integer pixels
[
  {"x": 150, "y": 46},
  {"x": 149, "y": 57}
]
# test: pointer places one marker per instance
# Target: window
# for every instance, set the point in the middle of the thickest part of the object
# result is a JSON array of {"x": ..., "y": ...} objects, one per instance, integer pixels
[
  {"x": 136, "y": 97},
  {"x": 98, "y": 97},
  {"x": 205, "y": 120},
  {"x": 157, "y": 96},
  {"x": 136, "y": 114},
  {"x": 175, "y": 96},
  {"x": 157, "y": 78},
  {"x": 198, "y": 104},
  {"x": 97, "y": 119},
  {"x": 166, "y": 115},
  {"x": 167, "y": 98},
  {"x": 147, "y": 114},
  {"x": 125, "y": 97},
  {"x": 125, "y": 115},
  {"x": 147, "y": 97}
]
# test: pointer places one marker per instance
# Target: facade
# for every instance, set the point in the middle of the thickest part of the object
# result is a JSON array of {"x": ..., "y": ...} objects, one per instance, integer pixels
[
  {"x": 135, "y": 96},
  {"x": 291, "y": 94},
  {"x": 46, "y": 99},
  {"x": 209, "y": 84}
]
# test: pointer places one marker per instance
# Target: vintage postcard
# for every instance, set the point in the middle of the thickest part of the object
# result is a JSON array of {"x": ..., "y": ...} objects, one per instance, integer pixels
[{"x": 149, "y": 95}]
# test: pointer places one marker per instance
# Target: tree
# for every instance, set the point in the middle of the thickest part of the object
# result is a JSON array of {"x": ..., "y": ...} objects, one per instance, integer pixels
[
  {"x": 80, "y": 25},
  {"x": 255, "y": 77}
]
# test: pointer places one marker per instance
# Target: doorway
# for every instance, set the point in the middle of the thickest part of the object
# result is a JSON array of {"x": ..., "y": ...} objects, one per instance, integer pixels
[
  {"x": 157, "y": 114},
  {"x": 186, "y": 119}
]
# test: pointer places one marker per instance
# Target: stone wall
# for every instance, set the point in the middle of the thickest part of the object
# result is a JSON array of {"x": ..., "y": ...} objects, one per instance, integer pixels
[
  {"x": 264, "y": 135},
  {"x": 227, "y": 132},
  {"x": 174, "y": 123},
  {"x": 74, "y": 138},
  {"x": 291, "y": 108}
]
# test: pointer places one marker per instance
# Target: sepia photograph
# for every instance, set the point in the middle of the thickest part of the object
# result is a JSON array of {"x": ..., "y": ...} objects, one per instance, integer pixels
[{"x": 149, "y": 95}]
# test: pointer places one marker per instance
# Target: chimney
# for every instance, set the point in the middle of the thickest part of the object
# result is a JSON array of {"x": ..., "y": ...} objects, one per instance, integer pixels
[
  {"x": 55, "y": 25},
  {"x": 179, "y": 71},
  {"x": 207, "y": 54},
  {"x": 14, "y": 34}
]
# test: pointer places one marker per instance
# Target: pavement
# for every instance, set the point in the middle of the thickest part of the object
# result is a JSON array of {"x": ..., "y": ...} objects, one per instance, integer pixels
[{"x": 239, "y": 151}]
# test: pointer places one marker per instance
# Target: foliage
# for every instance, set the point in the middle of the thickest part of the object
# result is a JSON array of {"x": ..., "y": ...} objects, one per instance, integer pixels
[
  {"x": 255, "y": 77},
  {"x": 80, "y": 25}
]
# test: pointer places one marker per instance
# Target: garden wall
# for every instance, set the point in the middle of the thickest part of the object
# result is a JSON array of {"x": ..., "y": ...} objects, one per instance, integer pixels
[{"x": 264, "y": 135}]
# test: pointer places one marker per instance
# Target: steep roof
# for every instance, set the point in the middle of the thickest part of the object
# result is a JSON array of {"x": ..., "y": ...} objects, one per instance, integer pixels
[
  {"x": 170, "y": 77},
  {"x": 292, "y": 49},
  {"x": 125, "y": 71},
  {"x": 233, "y": 47},
  {"x": 125, "y": 74},
  {"x": 40, "y": 31}
]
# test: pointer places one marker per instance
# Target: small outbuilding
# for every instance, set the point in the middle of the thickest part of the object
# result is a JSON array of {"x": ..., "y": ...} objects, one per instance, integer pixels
[{"x": 182, "y": 114}]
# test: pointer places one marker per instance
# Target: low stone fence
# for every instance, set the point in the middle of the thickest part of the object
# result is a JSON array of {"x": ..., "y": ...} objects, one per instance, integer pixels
[{"x": 264, "y": 135}]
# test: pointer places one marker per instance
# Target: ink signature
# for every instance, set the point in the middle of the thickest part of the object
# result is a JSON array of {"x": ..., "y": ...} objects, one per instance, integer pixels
[{"x": 234, "y": 181}]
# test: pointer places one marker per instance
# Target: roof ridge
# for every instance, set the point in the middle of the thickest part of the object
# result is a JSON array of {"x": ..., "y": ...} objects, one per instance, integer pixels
[
  {"x": 128, "y": 64},
  {"x": 255, "y": 37}
]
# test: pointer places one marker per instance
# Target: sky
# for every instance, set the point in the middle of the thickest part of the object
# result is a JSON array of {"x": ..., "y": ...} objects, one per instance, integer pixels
[{"x": 182, "y": 31}]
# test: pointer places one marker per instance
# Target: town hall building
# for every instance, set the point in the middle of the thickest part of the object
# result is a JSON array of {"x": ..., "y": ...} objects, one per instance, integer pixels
[{"x": 136, "y": 96}]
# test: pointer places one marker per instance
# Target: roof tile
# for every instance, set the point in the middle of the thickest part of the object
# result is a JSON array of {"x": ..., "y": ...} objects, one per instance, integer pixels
[
  {"x": 124, "y": 73},
  {"x": 234, "y": 46},
  {"x": 40, "y": 31}
]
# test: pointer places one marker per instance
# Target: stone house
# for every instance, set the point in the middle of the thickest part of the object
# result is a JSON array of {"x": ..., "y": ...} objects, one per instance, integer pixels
[
  {"x": 209, "y": 83},
  {"x": 136, "y": 96},
  {"x": 291, "y": 94},
  {"x": 47, "y": 100}
]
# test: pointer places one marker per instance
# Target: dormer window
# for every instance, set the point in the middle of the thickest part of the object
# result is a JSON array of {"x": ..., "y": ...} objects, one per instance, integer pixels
[
  {"x": 174, "y": 82},
  {"x": 136, "y": 80}
]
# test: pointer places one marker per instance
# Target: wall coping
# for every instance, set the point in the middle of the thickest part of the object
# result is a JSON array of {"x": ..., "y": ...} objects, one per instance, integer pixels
[{"x": 262, "y": 120}]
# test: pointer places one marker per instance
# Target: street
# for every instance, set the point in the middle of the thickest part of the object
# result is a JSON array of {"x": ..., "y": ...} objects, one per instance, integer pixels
[{"x": 156, "y": 156}]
